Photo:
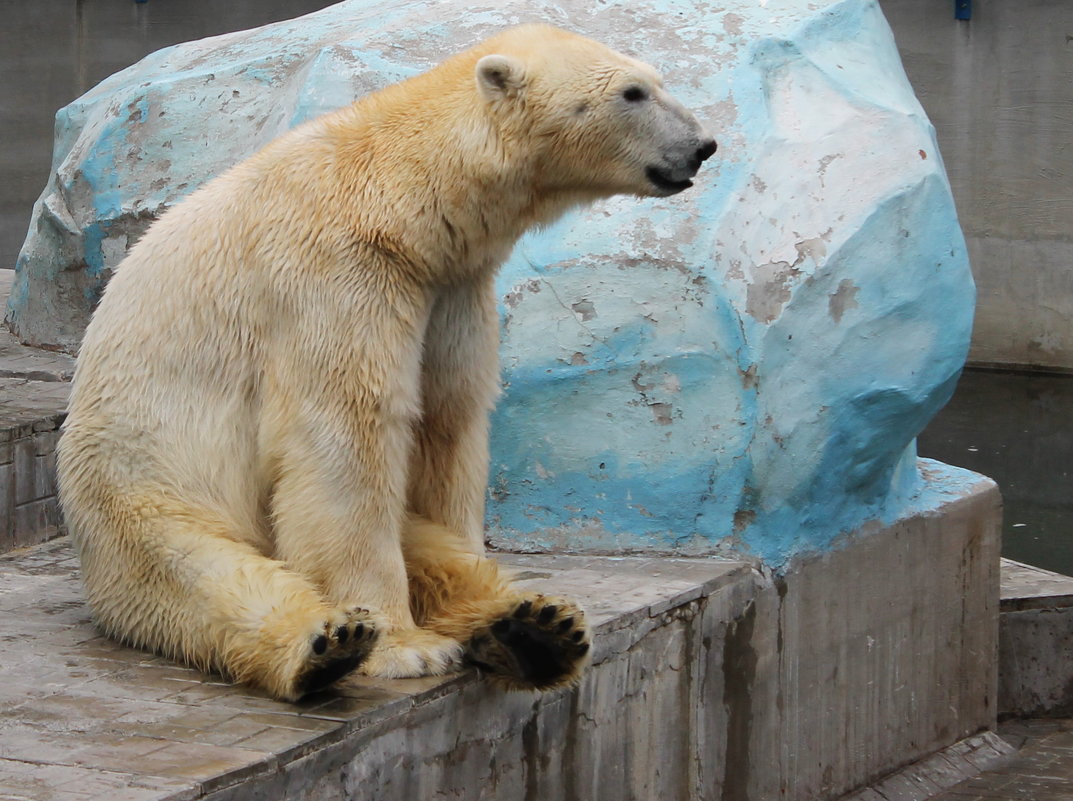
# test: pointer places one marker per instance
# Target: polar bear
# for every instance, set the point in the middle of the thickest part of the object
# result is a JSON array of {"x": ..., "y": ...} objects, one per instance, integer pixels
[{"x": 275, "y": 459}]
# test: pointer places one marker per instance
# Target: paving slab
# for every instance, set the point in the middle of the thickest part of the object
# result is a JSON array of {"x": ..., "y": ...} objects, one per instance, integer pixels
[{"x": 1040, "y": 770}]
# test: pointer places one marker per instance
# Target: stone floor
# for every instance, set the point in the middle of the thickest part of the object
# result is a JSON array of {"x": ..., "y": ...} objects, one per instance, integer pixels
[{"x": 1041, "y": 770}]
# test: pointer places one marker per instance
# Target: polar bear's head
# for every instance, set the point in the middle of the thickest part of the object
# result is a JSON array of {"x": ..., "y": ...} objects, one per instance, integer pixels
[{"x": 590, "y": 120}]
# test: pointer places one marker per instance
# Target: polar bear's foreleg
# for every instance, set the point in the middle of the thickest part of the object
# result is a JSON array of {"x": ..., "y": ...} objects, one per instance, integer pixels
[
  {"x": 459, "y": 386},
  {"x": 174, "y": 579},
  {"x": 525, "y": 640},
  {"x": 339, "y": 491}
]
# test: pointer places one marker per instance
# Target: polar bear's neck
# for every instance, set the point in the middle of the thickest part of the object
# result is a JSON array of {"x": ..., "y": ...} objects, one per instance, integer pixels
[{"x": 424, "y": 169}]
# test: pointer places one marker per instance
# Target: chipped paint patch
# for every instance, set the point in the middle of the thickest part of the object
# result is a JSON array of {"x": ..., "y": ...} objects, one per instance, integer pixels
[{"x": 843, "y": 298}]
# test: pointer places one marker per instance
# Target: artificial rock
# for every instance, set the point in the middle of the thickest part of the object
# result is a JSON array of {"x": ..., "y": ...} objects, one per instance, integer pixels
[{"x": 743, "y": 367}]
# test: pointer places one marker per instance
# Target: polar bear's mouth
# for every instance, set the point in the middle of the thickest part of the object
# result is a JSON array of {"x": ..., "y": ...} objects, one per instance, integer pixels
[{"x": 662, "y": 180}]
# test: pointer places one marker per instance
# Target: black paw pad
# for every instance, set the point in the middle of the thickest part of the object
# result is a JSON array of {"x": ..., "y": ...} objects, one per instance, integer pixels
[
  {"x": 321, "y": 676},
  {"x": 538, "y": 645},
  {"x": 336, "y": 652},
  {"x": 523, "y": 610},
  {"x": 538, "y": 659}
]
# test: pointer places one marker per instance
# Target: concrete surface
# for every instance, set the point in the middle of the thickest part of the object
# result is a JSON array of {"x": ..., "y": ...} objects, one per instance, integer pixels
[
  {"x": 658, "y": 398},
  {"x": 87, "y": 718},
  {"x": 1041, "y": 769},
  {"x": 29, "y": 364},
  {"x": 997, "y": 89},
  {"x": 1035, "y": 643},
  {"x": 881, "y": 652},
  {"x": 34, "y": 385},
  {"x": 711, "y": 680},
  {"x": 942, "y": 770}
]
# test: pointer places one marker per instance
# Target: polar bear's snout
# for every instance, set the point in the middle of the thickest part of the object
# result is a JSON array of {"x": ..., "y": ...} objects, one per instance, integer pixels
[
  {"x": 679, "y": 168},
  {"x": 686, "y": 144}
]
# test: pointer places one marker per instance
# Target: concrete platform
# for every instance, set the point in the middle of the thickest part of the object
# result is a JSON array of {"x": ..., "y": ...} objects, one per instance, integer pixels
[
  {"x": 85, "y": 718},
  {"x": 1041, "y": 769},
  {"x": 34, "y": 386},
  {"x": 711, "y": 680}
]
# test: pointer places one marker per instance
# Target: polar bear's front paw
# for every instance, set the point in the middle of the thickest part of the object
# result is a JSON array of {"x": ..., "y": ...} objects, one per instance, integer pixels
[
  {"x": 542, "y": 643},
  {"x": 344, "y": 642},
  {"x": 412, "y": 652}
]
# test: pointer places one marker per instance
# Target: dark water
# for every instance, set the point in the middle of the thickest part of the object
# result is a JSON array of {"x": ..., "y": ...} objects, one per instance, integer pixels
[{"x": 1017, "y": 429}]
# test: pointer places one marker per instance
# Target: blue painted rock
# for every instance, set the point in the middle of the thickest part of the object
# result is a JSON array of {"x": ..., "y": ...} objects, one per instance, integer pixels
[{"x": 742, "y": 367}]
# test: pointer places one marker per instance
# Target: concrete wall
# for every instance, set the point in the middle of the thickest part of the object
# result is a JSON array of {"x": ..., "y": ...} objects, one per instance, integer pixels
[
  {"x": 53, "y": 51},
  {"x": 998, "y": 90},
  {"x": 29, "y": 507}
]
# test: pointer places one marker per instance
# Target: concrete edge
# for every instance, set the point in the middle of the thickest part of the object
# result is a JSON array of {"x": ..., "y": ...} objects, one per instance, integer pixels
[
  {"x": 1026, "y": 587},
  {"x": 941, "y": 771}
]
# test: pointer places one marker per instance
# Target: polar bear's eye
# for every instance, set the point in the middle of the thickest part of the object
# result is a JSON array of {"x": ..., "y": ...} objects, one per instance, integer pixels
[{"x": 634, "y": 94}]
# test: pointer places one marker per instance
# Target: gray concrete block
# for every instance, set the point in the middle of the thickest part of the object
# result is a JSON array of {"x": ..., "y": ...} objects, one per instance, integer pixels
[
  {"x": 25, "y": 469},
  {"x": 1035, "y": 640},
  {"x": 1035, "y": 670},
  {"x": 7, "y": 507},
  {"x": 885, "y": 646}
]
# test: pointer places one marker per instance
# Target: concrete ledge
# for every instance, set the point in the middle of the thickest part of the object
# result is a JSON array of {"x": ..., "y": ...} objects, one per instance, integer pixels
[
  {"x": 1035, "y": 643},
  {"x": 87, "y": 718},
  {"x": 34, "y": 385},
  {"x": 882, "y": 652},
  {"x": 711, "y": 680},
  {"x": 30, "y": 417}
]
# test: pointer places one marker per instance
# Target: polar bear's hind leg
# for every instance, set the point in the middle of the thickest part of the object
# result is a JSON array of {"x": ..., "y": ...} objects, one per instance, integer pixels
[{"x": 217, "y": 603}]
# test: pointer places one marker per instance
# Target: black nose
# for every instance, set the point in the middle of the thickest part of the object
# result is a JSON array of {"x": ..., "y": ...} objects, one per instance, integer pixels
[{"x": 706, "y": 151}]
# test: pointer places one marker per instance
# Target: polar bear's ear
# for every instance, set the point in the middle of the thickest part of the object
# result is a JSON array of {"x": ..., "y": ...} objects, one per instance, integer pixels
[{"x": 500, "y": 77}]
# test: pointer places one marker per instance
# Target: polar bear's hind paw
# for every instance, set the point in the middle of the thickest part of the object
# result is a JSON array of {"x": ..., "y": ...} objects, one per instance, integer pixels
[{"x": 542, "y": 644}]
